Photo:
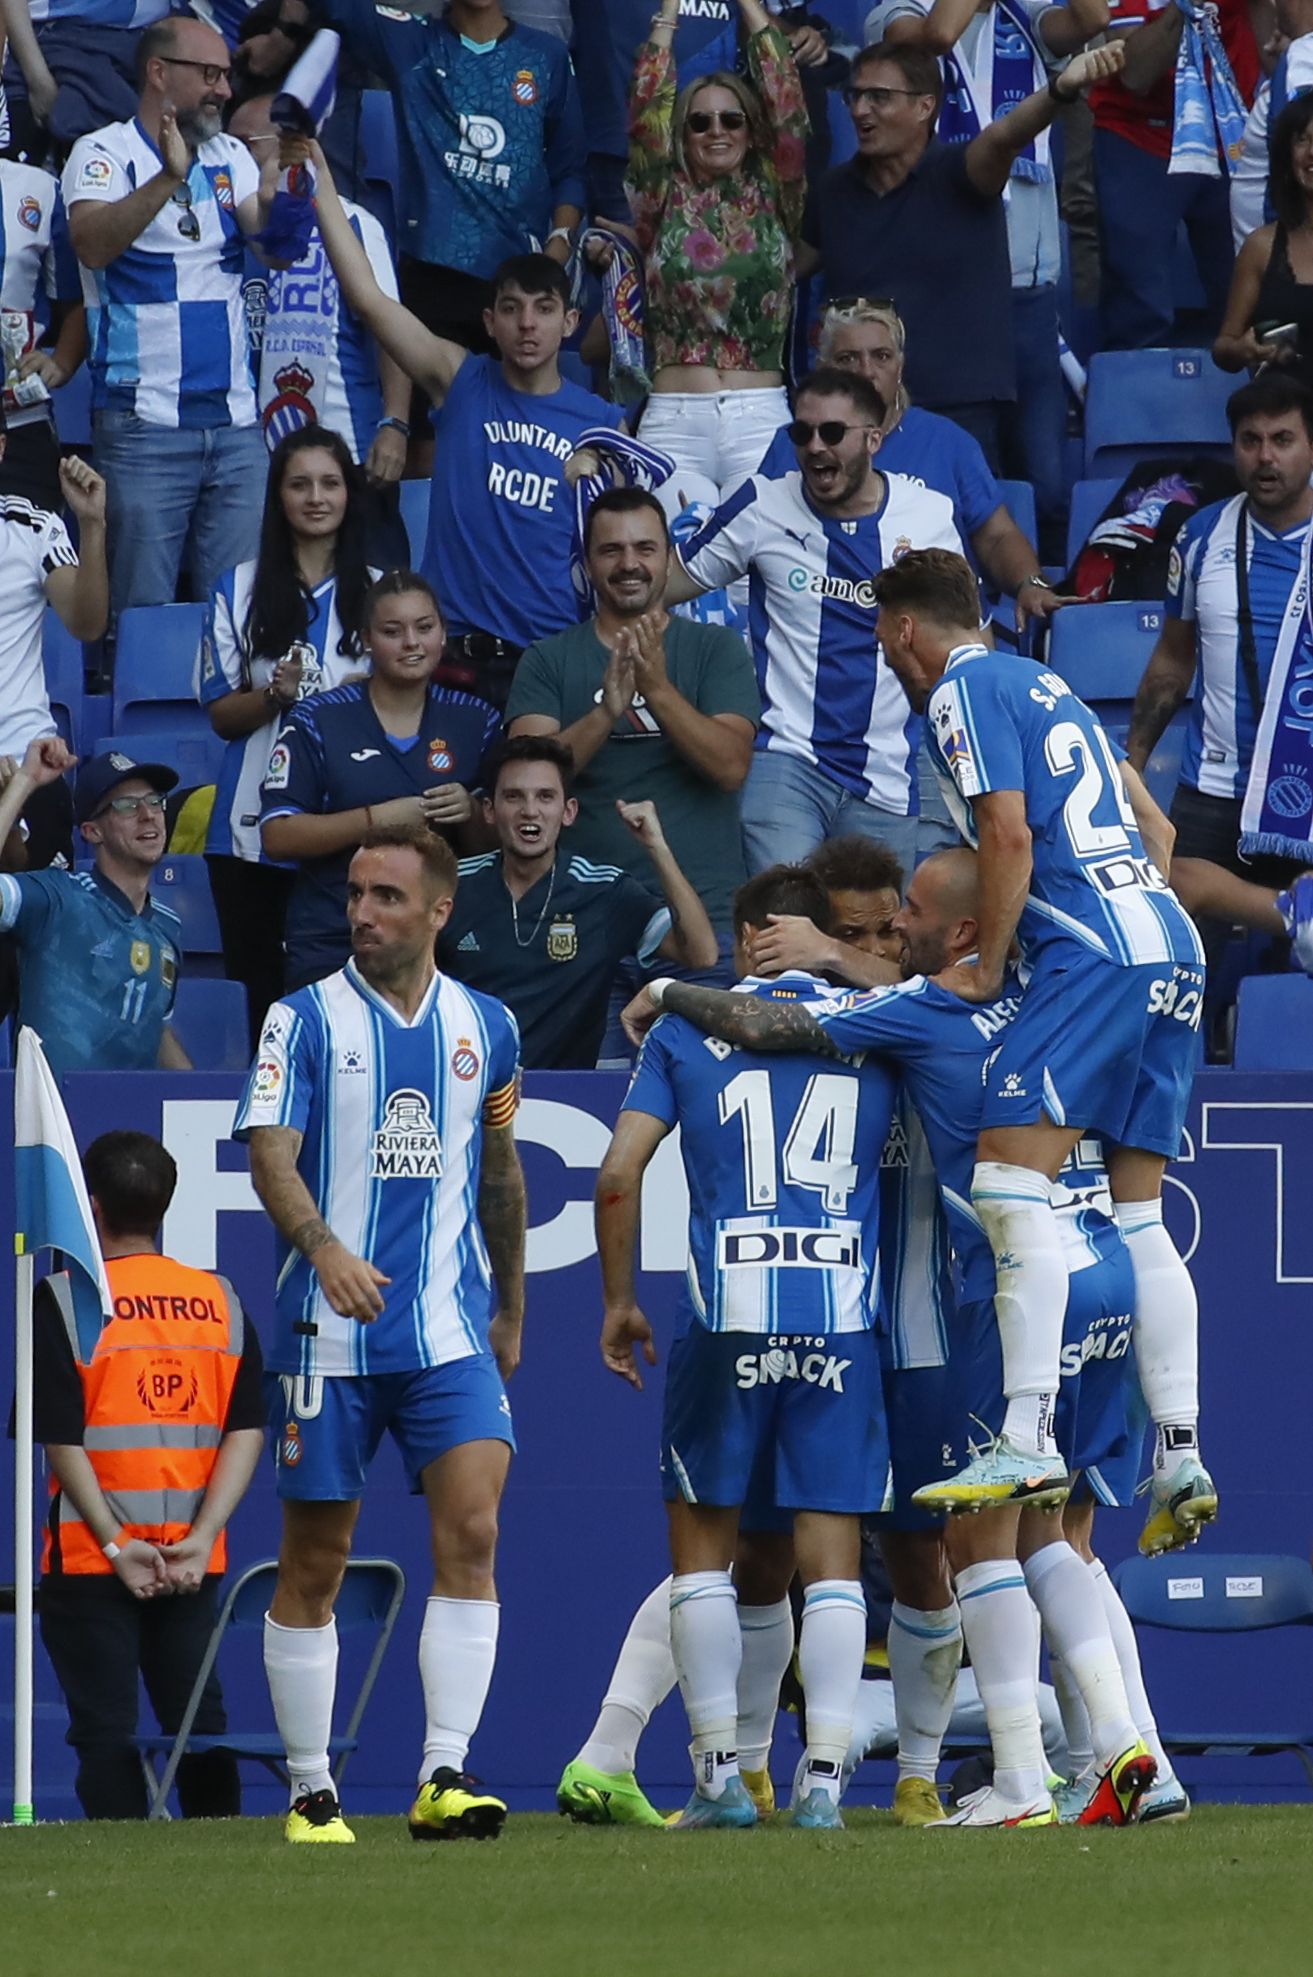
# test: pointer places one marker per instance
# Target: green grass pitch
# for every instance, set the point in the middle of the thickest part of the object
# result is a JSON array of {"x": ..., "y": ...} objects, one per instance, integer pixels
[{"x": 1230, "y": 1892}]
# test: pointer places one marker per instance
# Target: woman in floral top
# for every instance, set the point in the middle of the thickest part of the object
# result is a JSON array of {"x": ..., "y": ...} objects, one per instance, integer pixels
[{"x": 716, "y": 185}]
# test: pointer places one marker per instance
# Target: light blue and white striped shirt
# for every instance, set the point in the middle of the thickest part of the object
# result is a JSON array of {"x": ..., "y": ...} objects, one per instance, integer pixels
[
  {"x": 916, "y": 1253},
  {"x": 165, "y": 323},
  {"x": 37, "y": 267},
  {"x": 391, "y": 1116}
]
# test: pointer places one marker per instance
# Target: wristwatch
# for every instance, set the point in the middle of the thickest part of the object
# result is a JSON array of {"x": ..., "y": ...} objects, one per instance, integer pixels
[{"x": 397, "y": 425}]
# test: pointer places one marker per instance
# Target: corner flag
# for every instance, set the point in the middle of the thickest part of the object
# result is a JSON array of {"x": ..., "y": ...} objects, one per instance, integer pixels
[{"x": 51, "y": 1195}]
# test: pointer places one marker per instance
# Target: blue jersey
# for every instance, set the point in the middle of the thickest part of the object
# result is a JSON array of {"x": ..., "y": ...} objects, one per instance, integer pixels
[
  {"x": 492, "y": 140},
  {"x": 812, "y": 619},
  {"x": 607, "y": 37},
  {"x": 501, "y": 516},
  {"x": 390, "y": 1114},
  {"x": 102, "y": 13},
  {"x": 927, "y": 449},
  {"x": 783, "y": 1176},
  {"x": 96, "y": 979},
  {"x": 333, "y": 755},
  {"x": 916, "y": 1253},
  {"x": 1201, "y": 591},
  {"x": 996, "y": 722}
]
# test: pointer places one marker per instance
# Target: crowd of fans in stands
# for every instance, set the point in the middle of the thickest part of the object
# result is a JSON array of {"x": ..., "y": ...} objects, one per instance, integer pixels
[{"x": 692, "y": 333}]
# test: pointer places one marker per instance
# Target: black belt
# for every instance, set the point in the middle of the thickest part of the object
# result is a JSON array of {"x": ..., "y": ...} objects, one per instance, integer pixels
[{"x": 480, "y": 662}]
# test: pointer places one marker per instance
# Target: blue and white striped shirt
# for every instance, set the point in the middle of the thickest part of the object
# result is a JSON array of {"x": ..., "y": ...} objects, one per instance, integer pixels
[
  {"x": 916, "y": 1253},
  {"x": 391, "y": 1115},
  {"x": 995, "y": 722},
  {"x": 165, "y": 323},
  {"x": 1201, "y": 591},
  {"x": 828, "y": 693},
  {"x": 37, "y": 265}
]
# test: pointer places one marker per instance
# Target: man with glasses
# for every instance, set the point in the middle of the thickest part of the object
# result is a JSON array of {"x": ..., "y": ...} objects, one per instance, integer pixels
[
  {"x": 98, "y": 958},
  {"x": 836, "y": 751},
  {"x": 158, "y": 209},
  {"x": 923, "y": 221}
]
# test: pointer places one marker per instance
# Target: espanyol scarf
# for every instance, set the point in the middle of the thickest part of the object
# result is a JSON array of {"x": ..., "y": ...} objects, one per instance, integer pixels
[
  {"x": 1276, "y": 819},
  {"x": 622, "y": 462},
  {"x": 301, "y": 107},
  {"x": 1009, "y": 67},
  {"x": 623, "y": 310},
  {"x": 1209, "y": 112}
]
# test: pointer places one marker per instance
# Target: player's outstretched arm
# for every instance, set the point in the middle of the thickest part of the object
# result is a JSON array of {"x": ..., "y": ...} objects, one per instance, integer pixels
[
  {"x": 503, "y": 1217},
  {"x": 353, "y": 1287},
  {"x": 616, "y": 1209},
  {"x": 748, "y": 1020}
]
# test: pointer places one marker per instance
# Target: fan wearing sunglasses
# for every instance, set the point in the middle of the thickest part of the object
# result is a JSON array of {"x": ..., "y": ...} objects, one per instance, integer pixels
[
  {"x": 716, "y": 184},
  {"x": 157, "y": 210}
]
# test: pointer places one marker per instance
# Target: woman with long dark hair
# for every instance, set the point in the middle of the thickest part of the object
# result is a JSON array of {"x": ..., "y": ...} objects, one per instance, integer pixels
[
  {"x": 279, "y": 629},
  {"x": 1272, "y": 287},
  {"x": 394, "y": 748}
]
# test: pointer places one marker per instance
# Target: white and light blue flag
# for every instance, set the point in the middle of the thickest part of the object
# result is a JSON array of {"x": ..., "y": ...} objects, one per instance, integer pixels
[{"x": 53, "y": 1209}]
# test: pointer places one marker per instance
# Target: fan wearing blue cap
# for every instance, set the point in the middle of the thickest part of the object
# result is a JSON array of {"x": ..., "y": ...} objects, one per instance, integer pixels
[{"x": 98, "y": 958}]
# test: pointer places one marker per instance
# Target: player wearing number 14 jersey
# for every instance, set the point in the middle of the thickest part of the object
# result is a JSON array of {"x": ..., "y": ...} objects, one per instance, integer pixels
[
  {"x": 1106, "y": 1038},
  {"x": 773, "y": 1388}
]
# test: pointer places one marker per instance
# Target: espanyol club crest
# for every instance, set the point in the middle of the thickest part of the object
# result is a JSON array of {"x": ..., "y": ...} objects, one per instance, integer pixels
[
  {"x": 900, "y": 549},
  {"x": 465, "y": 1060},
  {"x": 223, "y": 189},
  {"x": 29, "y": 213},
  {"x": 441, "y": 759},
  {"x": 525, "y": 88},
  {"x": 292, "y": 408}
]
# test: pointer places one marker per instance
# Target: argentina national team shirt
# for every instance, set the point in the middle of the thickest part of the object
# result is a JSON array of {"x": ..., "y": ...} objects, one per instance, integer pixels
[
  {"x": 828, "y": 693},
  {"x": 391, "y": 1114},
  {"x": 166, "y": 330},
  {"x": 1201, "y": 590}
]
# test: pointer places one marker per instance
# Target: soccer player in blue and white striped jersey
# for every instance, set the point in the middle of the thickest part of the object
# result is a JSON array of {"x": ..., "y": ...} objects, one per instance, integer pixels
[
  {"x": 380, "y": 1115},
  {"x": 1073, "y": 852}
]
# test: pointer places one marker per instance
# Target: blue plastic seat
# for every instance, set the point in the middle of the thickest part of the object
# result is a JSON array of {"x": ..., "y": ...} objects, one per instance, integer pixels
[
  {"x": 1018, "y": 497},
  {"x": 1088, "y": 501},
  {"x": 1101, "y": 650},
  {"x": 369, "y": 1600},
  {"x": 64, "y": 664},
  {"x": 210, "y": 1019},
  {"x": 1274, "y": 1023},
  {"x": 1225, "y": 1593},
  {"x": 192, "y": 748},
  {"x": 380, "y": 157},
  {"x": 415, "y": 515},
  {"x": 182, "y": 883},
  {"x": 155, "y": 664},
  {"x": 1145, "y": 402}
]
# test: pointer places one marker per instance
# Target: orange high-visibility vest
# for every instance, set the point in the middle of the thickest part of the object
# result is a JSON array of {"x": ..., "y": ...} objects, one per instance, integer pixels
[{"x": 156, "y": 1394}]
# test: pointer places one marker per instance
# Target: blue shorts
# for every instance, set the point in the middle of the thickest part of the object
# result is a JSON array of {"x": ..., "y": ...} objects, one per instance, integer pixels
[
  {"x": 918, "y": 1402},
  {"x": 326, "y": 1432},
  {"x": 1097, "y": 1427},
  {"x": 810, "y": 1408},
  {"x": 1110, "y": 1050}
]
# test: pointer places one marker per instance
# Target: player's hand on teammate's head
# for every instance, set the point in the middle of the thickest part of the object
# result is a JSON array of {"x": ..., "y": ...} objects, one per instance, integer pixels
[
  {"x": 790, "y": 940},
  {"x": 625, "y": 1329},
  {"x": 351, "y": 1284},
  {"x": 638, "y": 1016}
]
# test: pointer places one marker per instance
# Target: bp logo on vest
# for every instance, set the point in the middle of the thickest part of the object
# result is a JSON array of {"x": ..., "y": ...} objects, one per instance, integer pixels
[
  {"x": 406, "y": 1146},
  {"x": 164, "y": 1386}
]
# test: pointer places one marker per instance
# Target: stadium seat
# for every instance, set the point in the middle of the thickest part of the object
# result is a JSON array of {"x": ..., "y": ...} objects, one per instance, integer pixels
[
  {"x": 381, "y": 163},
  {"x": 72, "y": 408},
  {"x": 1146, "y": 402},
  {"x": 1018, "y": 498},
  {"x": 193, "y": 749},
  {"x": 1225, "y": 1593},
  {"x": 155, "y": 667},
  {"x": 210, "y": 1019},
  {"x": 62, "y": 658},
  {"x": 1088, "y": 501},
  {"x": 1101, "y": 650},
  {"x": 1274, "y": 1023},
  {"x": 370, "y": 1598},
  {"x": 183, "y": 884},
  {"x": 415, "y": 515},
  {"x": 1162, "y": 772}
]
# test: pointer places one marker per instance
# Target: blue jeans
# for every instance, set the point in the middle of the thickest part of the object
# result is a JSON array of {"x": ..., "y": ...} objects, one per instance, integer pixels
[
  {"x": 1140, "y": 208},
  {"x": 1036, "y": 424},
  {"x": 176, "y": 495},
  {"x": 789, "y": 807}
]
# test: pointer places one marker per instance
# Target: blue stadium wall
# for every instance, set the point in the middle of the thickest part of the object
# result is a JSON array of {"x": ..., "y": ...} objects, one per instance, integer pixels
[{"x": 583, "y": 1535}]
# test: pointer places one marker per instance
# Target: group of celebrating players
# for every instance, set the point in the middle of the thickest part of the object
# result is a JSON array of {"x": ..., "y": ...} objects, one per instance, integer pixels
[{"x": 974, "y": 1322}]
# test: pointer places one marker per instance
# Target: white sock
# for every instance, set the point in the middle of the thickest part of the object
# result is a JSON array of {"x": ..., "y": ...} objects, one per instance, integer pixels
[
  {"x": 1015, "y": 1206},
  {"x": 831, "y": 1650},
  {"x": 457, "y": 1651},
  {"x": 1166, "y": 1331},
  {"x": 925, "y": 1653},
  {"x": 767, "y": 1650},
  {"x": 1075, "y": 1717},
  {"x": 707, "y": 1646},
  {"x": 643, "y": 1676},
  {"x": 1128, "y": 1654},
  {"x": 300, "y": 1665},
  {"x": 1076, "y": 1627},
  {"x": 999, "y": 1635}
]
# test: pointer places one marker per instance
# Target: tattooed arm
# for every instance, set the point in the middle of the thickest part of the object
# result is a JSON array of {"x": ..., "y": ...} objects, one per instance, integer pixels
[
  {"x": 502, "y": 1218},
  {"x": 351, "y": 1284},
  {"x": 1163, "y": 689},
  {"x": 753, "y": 1021}
]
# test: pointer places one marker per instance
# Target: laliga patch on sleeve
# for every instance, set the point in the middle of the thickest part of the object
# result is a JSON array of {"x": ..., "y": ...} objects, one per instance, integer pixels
[
  {"x": 268, "y": 1081},
  {"x": 95, "y": 174},
  {"x": 280, "y": 766}
]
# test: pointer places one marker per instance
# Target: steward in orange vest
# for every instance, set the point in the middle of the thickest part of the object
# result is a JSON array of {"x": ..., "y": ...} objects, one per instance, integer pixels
[{"x": 151, "y": 1445}]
